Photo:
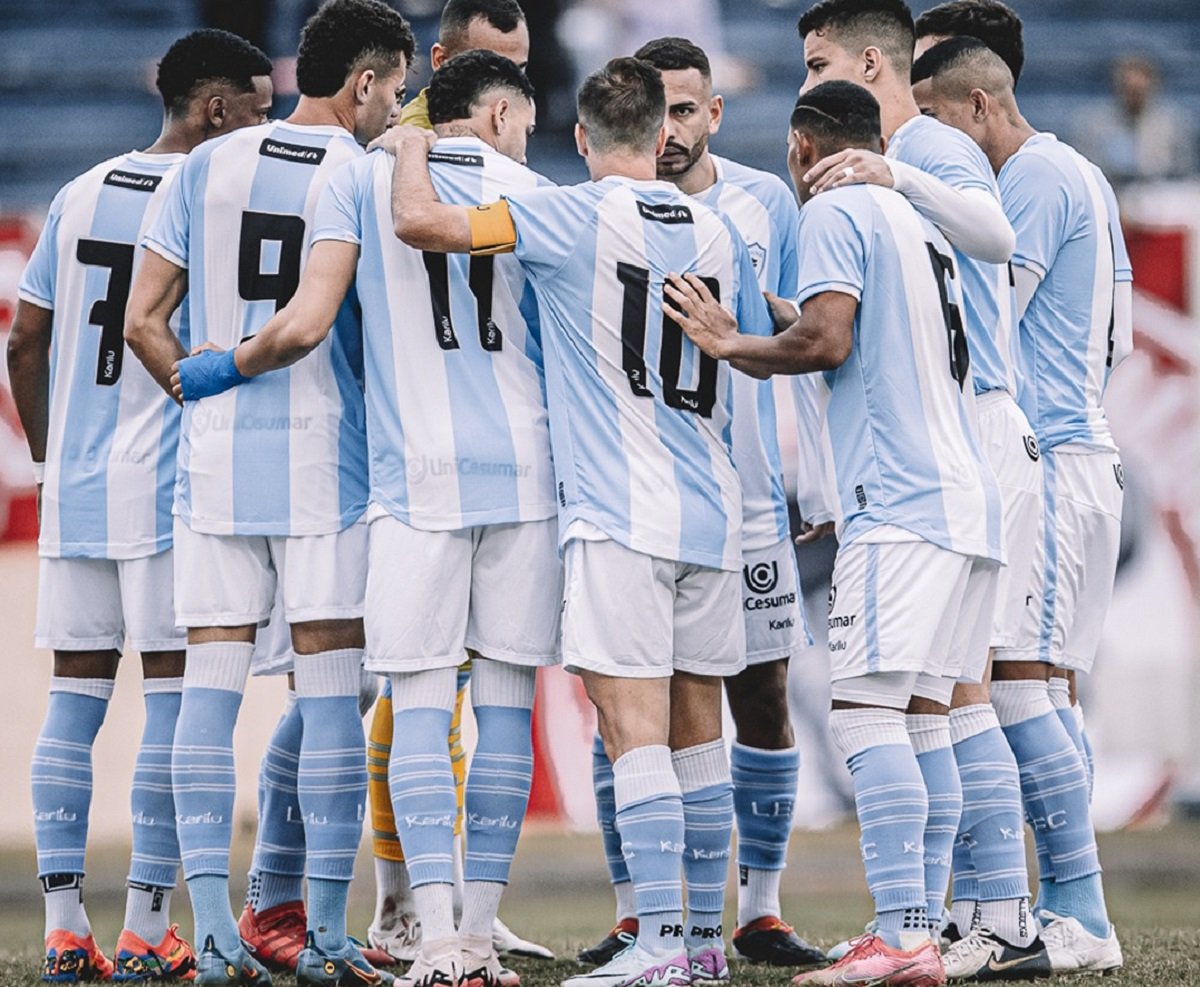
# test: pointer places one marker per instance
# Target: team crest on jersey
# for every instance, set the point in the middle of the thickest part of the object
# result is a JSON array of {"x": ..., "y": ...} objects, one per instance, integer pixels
[
  {"x": 1119, "y": 473},
  {"x": 1032, "y": 449},
  {"x": 832, "y": 597},
  {"x": 758, "y": 256},
  {"x": 761, "y": 577}
]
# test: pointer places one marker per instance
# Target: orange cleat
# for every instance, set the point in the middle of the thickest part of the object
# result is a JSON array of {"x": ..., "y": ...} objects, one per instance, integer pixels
[
  {"x": 171, "y": 959},
  {"x": 71, "y": 958},
  {"x": 275, "y": 937}
]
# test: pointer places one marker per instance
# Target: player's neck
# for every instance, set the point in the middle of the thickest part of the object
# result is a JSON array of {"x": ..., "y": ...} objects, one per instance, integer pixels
[
  {"x": 896, "y": 108},
  {"x": 699, "y": 178},
  {"x": 1006, "y": 139},
  {"x": 176, "y": 137},
  {"x": 314, "y": 111},
  {"x": 638, "y": 167}
]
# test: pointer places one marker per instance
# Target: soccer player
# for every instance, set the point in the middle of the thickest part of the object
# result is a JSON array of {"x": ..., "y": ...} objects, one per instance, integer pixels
[
  {"x": 992, "y": 22},
  {"x": 273, "y": 481},
  {"x": 1073, "y": 282},
  {"x": 765, "y": 761},
  {"x": 919, "y": 528},
  {"x": 462, "y": 488},
  {"x": 103, "y": 438},
  {"x": 649, "y": 501}
]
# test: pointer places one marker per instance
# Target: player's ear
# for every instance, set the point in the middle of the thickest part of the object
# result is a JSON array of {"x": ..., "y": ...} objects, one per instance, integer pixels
[
  {"x": 437, "y": 55},
  {"x": 661, "y": 141},
  {"x": 581, "y": 144},
  {"x": 980, "y": 104},
  {"x": 500, "y": 114},
  {"x": 716, "y": 108},
  {"x": 215, "y": 112},
  {"x": 362, "y": 85},
  {"x": 872, "y": 63}
]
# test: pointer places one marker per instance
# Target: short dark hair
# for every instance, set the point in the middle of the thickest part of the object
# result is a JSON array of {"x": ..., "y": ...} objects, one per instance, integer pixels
[
  {"x": 839, "y": 114},
  {"x": 995, "y": 24},
  {"x": 674, "y": 54},
  {"x": 463, "y": 80},
  {"x": 208, "y": 55},
  {"x": 886, "y": 24},
  {"x": 945, "y": 55},
  {"x": 503, "y": 15},
  {"x": 345, "y": 35},
  {"x": 622, "y": 105}
]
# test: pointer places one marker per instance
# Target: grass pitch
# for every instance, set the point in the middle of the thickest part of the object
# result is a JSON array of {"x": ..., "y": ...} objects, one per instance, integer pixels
[{"x": 559, "y": 896}]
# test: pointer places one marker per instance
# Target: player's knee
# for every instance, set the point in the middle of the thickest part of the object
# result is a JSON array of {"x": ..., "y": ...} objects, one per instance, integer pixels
[
  {"x": 86, "y": 664},
  {"x": 314, "y": 636},
  {"x": 759, "y": 706}
]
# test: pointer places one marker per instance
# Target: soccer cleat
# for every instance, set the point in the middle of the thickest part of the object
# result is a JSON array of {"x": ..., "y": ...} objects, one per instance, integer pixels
[
  {"x": 708, "y": 966},
  {"x": 399, "y": 935},
  {"x": 481, "y": 965},
  {"x": 378, "y": 958},
  {"x": 71, "y": 958},
  {"x": 275, "y": 936},
  {"x": 950, "y": 935},
  {"x": 982, "y": 955},
  {"x": 347, "y": 968},
  {"x": 623, "y": 935},
  {"x": 171, "y": 959},
  {"x": 438, "y": 964},
  {"x": 1073, "y": 949},
  {"x": 871, "y": 962},
  {"x": 835, "y": 953},
  {"x": 216, "y": 970},
  {"x": 508, "y": 943},
  {"x": 772, "y": 941},
  {"x": 636, "y": 967}
]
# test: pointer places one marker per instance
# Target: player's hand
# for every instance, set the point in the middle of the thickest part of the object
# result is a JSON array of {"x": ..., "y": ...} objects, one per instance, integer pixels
[
  {"x": 207, "y": 347},
  {"x": 783, "y": 311},
  {"x": 850, "y": 167},
  {"x": 708, "y": 323},
  {"x": 391, "y": 139},
  {"x": 811, "y": 532},
  {"x": 208, "y": 373}
]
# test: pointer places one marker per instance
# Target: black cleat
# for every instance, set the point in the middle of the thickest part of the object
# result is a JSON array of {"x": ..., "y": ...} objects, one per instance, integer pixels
[
  {"x": 622, "y": 937},
  {"x": 983, "y": 956},
  {"x": 772, "y": 941}
]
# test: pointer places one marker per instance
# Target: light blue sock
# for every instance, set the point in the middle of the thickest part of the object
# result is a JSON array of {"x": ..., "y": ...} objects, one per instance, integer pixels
[
  {"x": 155, "y": 859},
  {"x": 764, "y": 798},
  {"x": 1089, "y": 755},
  {"x": 707, "y": 788},
  {"x": 930, "y": 737},
  {"x": 419, "y": 775},
  {"x": 606, "y": 813},
  {"x": 892, "y": 807},
  {"x": 327, "y": 913},
  {"x": 1060, "y": 699},
  {"x": 497, "y": 791},
  {"x": 1055, "y": 790},
  {"x": 202, "y": 773},
  {"x": 650, "y": 820},
  {"x": 277, "y": 867}
]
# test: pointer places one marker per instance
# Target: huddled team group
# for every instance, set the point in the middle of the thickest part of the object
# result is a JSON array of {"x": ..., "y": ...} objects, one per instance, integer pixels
[{"x": 444, "y": 421}]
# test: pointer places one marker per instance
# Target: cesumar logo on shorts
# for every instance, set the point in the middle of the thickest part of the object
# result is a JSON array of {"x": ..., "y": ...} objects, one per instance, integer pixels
[
  {"x": 762, "y": 577},
  {"x": 832, "y": 597},
  {"x": 1119, "y": 473},
  {"x": 1032, "y": 449}
]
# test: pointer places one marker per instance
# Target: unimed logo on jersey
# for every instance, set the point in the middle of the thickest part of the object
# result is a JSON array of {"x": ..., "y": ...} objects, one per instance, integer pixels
[
  {"x": 132, "y": 180},
  {"x": 296, "y": 153},
  {"x": 665, "y": 212}
]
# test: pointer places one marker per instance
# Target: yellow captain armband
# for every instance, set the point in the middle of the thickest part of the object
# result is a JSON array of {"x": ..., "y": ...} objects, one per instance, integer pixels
[{"x": 492, "y": 229}]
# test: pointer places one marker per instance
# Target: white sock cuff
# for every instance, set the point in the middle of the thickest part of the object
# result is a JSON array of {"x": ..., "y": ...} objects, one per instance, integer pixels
[
  {"x": 96, "y": 688},
  {"x": 151, "y": 687},
  {"x": 857, "y": 730},
  {"x": 642, "y": 774},
  {"x": 1077, "y": 712},
  {"x": 500, "y": 683},
  {"x": 927, "y": 731},
  {"x": 702, "y": 766},
  {"x": 1016, "y": 701},
  {"x": 1060, "y": 692},
  {"x": 329, "y": 673},
  {"x": 431, "y": 688},
  {"x": 218, "y": 665},
  {"x": 780, "y": 754},
  {"x": 369, "y": 687},
  {"x": 971, "y": 721}
]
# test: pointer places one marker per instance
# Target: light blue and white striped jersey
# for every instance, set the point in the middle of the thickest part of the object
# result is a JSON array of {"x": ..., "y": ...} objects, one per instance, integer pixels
[
  {"x": 639, "y": 417},
  {"x": 110, "y": 449},
  {"x": 764, "y": 211},
  {"x": 286, "y": 453},
  {"x": 990, "y": 303},
  {"x": 456, "y": 402},
  {"x": 1069, "y": 234},
  {"x": 899, "y": 412}
]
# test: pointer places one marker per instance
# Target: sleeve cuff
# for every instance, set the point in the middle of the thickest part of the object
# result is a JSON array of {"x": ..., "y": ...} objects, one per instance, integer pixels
[
  {"x": 842, "y": 287},
  {"x": 165, "y": 253},
  {"x": 28, "y": 296}
]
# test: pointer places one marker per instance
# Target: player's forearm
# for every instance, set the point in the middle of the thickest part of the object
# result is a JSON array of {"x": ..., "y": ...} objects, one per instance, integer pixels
[
  {"x": 281, "y": 342},
  {"x": 971, "y": 219},
  {"x": 792, "y": 352},
  {"x": 421, "y": 220},
  {"x": 29, "y": 374},
  {"x": 158, "y": 348}
]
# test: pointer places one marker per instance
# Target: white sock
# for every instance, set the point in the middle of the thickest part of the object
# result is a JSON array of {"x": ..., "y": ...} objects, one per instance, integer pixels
[
  {"x": 393, "y": 895},
  {"x": 481, "y": 902},
  {"x": 758, "y": 894},
  {"x": 458, "y": 877},
  {"x": 148, "y": 912},
  {"x": 435, "y": 908},
  {"x": 626, "y": 905},
  {"x": 1011, "y": 920},
  {"x": 64, "y": 909},
  {"x": 963, "y": 915}
]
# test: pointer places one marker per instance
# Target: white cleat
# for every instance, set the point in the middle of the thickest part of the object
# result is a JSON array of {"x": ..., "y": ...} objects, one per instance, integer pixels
[
  {"x": 508, "y": 943},
  {"x": 1073, "y": 949},
  {"x": 398, "y": 935},
  {"x": 636, "y": 967},
  {"x": 438, "y": 964}
]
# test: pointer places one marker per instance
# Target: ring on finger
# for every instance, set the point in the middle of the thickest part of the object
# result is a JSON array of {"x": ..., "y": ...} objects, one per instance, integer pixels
[{"x": 848, "y": 171}]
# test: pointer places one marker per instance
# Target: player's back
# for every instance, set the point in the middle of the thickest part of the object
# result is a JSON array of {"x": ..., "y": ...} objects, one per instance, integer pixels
[
  {"x": 639, "y": 417},
  {"x": 898, "y": 416},
  {"x": 763, "y": 210},
  {"x": 110, "y": 454},
  {"x": 456, "y": 407},
  {"x": 285, "y": 454},
  {"x": 989, "y": 304},
  {"x": 1068, "y": 231}
]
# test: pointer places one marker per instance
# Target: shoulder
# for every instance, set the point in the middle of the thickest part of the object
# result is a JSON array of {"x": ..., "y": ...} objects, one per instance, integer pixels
[
  {"x": 768, "y": 188},
  {"x": 1043, "y": 162}
]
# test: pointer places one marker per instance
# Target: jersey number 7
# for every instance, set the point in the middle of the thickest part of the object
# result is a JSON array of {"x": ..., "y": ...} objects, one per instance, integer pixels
[{"x": 108, "y": 313}]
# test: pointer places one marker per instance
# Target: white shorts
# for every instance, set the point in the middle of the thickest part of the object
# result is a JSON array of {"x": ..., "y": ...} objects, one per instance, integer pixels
[
  {"x": 910, "y": 606},
  {"x": 1078, "y": 552},
  {"x": 273, "y": 653},
  {"x": 93, "y": 604},
  {"x": 1008, "y": 442},
  {"x": 231, "y": 580},
  {"x": 634, "y": 616},
  {"x": 772, "y": 605},
  {"x": 496, "y": 589}
]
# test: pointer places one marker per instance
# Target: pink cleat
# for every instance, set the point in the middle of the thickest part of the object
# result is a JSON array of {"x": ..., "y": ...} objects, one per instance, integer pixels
[{"x": 870, "y": 962}]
